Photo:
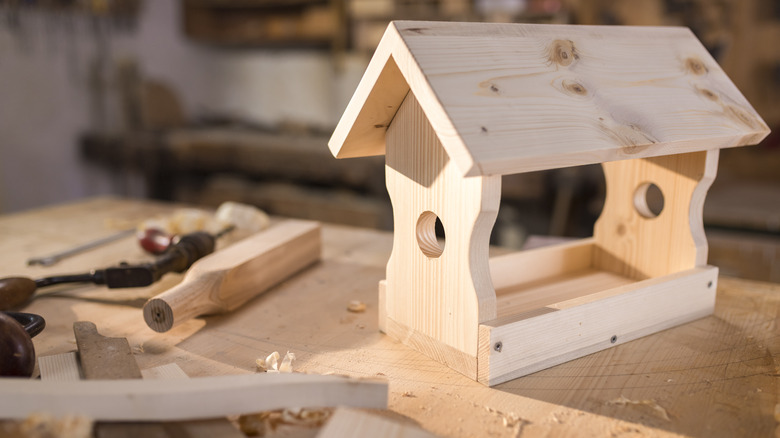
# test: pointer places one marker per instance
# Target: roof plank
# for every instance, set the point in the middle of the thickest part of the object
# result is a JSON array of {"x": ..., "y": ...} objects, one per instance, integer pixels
[{"x": 511, "y": 98}]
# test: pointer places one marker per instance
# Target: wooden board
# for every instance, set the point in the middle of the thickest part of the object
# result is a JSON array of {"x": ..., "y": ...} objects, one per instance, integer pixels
[
  {"x": 633, "y": 241},
  {"x": 510, "y": 98},
  {"x": 713, "y": 377},
  {"x": 437, "y": 292},
  {"x": 347, "y": 423},
  {"x": 565, "y": 329},
  {"x": 191, "y": 399}
]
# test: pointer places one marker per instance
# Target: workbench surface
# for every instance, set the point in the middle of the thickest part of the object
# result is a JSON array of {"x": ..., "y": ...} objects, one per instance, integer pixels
[{"x": 717, "y": 376}]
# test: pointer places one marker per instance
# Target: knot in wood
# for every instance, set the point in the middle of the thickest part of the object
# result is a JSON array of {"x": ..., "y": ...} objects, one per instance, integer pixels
[
  {"x": 711, "y": 95},
  {"x": 574, "y": 87},
  {"x": 563, "y": 52},
  {"x": 695, "y": 66}
]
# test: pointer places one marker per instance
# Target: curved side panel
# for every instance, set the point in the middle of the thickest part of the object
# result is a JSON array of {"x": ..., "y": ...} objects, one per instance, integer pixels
[
  {"x": 438, "y": 289},
  {"x": 632, "y": 240}
]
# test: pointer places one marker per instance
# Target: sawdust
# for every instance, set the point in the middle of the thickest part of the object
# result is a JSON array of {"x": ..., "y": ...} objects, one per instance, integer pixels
[
  {"x": 356, "y": 306},
  {"x": 657, "y": 409},
  {"x": 263, "y": 422},
  {"x": 510, "y": 420},
  {"x": 47, "y": 426}
]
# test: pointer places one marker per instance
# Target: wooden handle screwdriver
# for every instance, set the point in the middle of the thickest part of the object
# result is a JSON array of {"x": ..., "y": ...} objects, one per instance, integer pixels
[{"x": 224, "y": 280}]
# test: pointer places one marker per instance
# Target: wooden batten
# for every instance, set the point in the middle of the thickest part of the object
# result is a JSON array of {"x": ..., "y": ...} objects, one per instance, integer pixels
[{"x": 523, "y": 344}]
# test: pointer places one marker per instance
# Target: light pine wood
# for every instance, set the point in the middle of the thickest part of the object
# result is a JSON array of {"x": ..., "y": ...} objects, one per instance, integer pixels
[
  {"x": 349, "y": 423},
  {"x": 224, "y": 280},
  {"x": 632, "y": 245},
  {"x": 509, "y": 98},
  {"x": 442, "y": 295},
  {"x": 65, "y": 367},
  {"x": 714, "y": 376},
  {"x": 559, "y": 332},
  {"x": 180, "y": 399},
  {"x": 62, "y": 367},
  {"x": 523, "y": 268},
  {"x": 169, "y": 371}
]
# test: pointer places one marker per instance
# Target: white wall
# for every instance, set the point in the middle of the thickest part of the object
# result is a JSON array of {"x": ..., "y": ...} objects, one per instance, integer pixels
[{"x": 45, "y": 99}]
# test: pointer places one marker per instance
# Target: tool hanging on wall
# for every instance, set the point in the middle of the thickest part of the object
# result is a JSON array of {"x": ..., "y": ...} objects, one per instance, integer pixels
[{"x": 15, "y": 291}]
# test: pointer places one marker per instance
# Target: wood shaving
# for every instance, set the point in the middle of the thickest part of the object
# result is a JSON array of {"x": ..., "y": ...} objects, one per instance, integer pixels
[
  {"x": 356, "y": 306},
  {"x": 244, "y": 217},
  {"x": 46, "y": 426},
  {"x": 261, "y": 423},
  {"x": 657, "y": 409},
  {"x": 509, "y": 420},
  {"x": 408, "y": 394},
  {"x": 286, "y": 366},
  {"x": 271, "y": 363}
]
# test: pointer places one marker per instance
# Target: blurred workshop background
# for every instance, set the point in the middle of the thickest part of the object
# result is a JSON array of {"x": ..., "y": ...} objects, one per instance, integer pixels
[{"x": 205, "y": 101}]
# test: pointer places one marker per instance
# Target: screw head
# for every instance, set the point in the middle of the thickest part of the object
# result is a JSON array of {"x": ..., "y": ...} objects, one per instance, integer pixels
[
  {"x": 613, "y": 339},
  {"x": 498, "y": 346}
]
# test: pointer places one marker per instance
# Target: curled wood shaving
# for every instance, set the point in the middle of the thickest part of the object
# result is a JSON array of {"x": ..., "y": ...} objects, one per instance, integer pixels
[
  {"x": 45, "y": 426},
  {"x": 356, "y": 306},
  {"x": 261, "y": 423},
  {"x": 286, "y": 366},
  {"x": 271, "y": 363},
  {"x": 657, "y": 409}
]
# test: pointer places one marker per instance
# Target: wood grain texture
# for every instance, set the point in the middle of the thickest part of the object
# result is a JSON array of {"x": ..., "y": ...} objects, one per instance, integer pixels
[
  {"x": 169, "y": 371},
  {"x": 715, "y": 377},
  {"x": 224, "y": 280},
  {"x": 639, "y": 247},
  {"x": 180, "y": 399},
  {"x": 62, "y": 367},
  {"x": 577, "y": 326},
  {"x": 442, "y": 293},
  {"x": 510, "y": 98},
  {"x": 349, "y": 423}
]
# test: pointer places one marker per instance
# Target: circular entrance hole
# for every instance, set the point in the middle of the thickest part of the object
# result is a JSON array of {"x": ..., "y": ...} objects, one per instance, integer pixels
[
  {"x": 649, "y": 200},
  {"x": 426, "y": 234}
]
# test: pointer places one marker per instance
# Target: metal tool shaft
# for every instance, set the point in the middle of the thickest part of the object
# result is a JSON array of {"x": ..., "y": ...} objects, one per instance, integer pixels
[{"x": 54, "y": 258}]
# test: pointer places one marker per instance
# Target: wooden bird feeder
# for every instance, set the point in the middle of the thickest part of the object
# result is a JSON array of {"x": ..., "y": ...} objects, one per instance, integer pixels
[{"x": 454, "y": 106}]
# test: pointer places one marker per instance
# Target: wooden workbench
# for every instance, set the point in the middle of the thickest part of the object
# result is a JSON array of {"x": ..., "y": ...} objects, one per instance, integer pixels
[{"x": 717, "y": 376}]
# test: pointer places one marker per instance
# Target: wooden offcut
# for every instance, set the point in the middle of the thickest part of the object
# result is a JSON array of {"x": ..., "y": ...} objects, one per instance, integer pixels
[{"x": 454, "y": 106}]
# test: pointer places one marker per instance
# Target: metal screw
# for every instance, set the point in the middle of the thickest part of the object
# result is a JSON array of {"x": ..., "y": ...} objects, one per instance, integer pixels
[
  {"x": 498, "y": 346},
  {"x": 709, "y": 285},
  {"x": 613, "y": 339}
]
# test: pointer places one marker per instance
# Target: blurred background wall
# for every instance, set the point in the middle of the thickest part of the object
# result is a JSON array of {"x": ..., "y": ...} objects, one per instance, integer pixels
[{"x": 203, "y": 101}]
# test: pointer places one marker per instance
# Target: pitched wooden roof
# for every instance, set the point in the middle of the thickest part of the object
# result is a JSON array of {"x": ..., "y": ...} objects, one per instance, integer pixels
[{"x": 510, "y": 98}]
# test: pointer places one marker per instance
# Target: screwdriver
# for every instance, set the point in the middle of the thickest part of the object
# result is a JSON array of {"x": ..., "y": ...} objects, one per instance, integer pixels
[{"x": 15, "y": 291}]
